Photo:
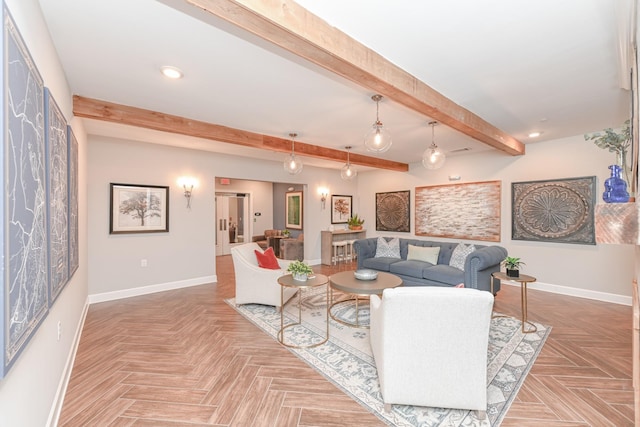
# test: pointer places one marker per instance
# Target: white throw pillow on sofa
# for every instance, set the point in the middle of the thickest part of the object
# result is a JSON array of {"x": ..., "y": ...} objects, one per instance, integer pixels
[
  {"x": 423, "y": 253},
  {"x": 389, "y": 249},
  {"x": 460, "y": 254}
]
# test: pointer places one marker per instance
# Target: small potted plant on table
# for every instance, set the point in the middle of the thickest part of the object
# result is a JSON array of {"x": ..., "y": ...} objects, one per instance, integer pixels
[
  {"x": 355, "y": 223},
  {"x": 299, "y": 270},
  {"x": 512, "y": 264}
]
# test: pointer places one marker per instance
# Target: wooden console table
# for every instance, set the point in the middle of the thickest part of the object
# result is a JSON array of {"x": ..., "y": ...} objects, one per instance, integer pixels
[{"x": 328, "y": 237}]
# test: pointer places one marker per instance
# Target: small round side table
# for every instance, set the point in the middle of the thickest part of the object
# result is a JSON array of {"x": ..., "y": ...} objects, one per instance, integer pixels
[
  {"x": 524, "y": 280},
  {"x": 287, "y": 281}
]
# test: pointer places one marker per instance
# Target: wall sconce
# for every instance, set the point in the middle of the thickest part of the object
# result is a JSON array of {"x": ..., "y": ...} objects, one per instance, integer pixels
[
  {"x": 187, "y": 183},
  {"x": 324, "y": 193}
]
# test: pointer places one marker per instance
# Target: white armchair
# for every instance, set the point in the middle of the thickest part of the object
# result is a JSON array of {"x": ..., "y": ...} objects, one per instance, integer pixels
[
  {"x": 430, "y": 346},
  {"x": 256, "y": 285}
]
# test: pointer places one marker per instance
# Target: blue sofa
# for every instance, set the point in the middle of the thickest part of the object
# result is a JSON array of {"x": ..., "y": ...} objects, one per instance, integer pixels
[{"x": 477, "y": 268}]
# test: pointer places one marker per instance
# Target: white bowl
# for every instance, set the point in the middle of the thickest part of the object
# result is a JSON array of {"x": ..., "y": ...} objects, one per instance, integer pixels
[{"x": 365, "y": 274}]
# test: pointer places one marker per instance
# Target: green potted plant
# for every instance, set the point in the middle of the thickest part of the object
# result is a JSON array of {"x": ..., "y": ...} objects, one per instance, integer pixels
[
  {"x": 286, "y": 233},
  {"x": 512, "y": 264},
  {"x": 355, "y": 223},
  {"x": 299, "y": 270}
]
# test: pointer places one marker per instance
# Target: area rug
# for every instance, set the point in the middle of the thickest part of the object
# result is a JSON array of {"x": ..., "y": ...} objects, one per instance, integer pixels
[{"x": 346, "y": 359}]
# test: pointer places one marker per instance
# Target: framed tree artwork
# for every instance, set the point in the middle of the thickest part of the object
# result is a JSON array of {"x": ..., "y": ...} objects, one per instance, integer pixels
[
  {"x": 139, "y": 209},
  {"x": 293, "y": 210},
  {"x": 340, "y": 209}
]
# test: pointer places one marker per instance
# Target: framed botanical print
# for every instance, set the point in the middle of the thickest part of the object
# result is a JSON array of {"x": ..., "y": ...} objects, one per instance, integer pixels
[
  {"x": 138, "y": 209},
  {"x": 293, "y": 210},
  {"x": 340, "y": 209}
]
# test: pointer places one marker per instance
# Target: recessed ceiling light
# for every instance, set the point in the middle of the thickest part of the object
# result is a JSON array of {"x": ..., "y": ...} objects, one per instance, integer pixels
[
  {"x": 171, "y": 72},
  {"x": 535, "y": 134}
]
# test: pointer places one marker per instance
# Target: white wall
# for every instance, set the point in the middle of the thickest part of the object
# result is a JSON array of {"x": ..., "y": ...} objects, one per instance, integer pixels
[
  {"x": 28, "y": 392},
  {"x": 586, "y": 270},
  {"x": 595, "y": 271},
  {"x": 186, "y": 254}
]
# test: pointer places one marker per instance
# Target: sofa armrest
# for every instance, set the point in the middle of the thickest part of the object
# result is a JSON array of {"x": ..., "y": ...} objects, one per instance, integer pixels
[
  {"x": 480, "y": 264},
  {"x": 484, "y": 258},
  {"x": 365, "y": 248}
]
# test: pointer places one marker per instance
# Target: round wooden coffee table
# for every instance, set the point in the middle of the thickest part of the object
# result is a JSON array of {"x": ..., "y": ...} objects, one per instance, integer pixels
[{"x": 356, "y": 289}]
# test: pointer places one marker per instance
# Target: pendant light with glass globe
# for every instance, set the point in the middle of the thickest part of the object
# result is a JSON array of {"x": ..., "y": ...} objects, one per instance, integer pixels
[
  {"x": 292, "y": 164},
  {"x": 348, "y": 172},
  {"x": 378, "y": 140},
  {"x": 433, "y": 157}
]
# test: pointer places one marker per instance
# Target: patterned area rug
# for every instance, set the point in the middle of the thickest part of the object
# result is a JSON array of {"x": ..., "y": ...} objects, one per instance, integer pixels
[{"x": 346, "y": 359}]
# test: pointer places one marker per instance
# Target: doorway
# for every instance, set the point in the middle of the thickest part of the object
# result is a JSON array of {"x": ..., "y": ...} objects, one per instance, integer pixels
[{"x": 232, "y": 225}]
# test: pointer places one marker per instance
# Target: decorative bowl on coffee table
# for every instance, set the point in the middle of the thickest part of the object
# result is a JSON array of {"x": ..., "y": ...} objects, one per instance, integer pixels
[{"x": 365, "y": 274}]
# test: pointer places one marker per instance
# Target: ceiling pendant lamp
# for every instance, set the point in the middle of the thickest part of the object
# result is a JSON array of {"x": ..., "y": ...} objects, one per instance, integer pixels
[
  {"x": 378, "y": 140},
  {"x": 292, "y": 164},
  {"x": 433, "y": 157},
  {"x": 348, "y": 172}
]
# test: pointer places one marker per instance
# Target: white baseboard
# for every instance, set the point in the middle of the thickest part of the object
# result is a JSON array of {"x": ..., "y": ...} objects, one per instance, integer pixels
[
  {"x": 56, "y": 408},
  {"x": 144, "y": 290},
  {"x": 575, "y": 292}
]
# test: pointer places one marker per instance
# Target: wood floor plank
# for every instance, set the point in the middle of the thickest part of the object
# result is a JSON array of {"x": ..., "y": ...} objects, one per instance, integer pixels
[
  {"x": 165, "y": 394},
  {"x": 139, "y": 364},
  {"x": 178, "y": 412},
  {"x": 330, "y": 418},
  {"x": 270, "y": 409},
  {"x": 236, "y": 395},
  {"x": 251, "y": 403}
]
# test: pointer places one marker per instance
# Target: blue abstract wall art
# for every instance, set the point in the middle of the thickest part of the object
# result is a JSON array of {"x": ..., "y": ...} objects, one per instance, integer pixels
[
  {"x": 57, "y": 187},
  {"x": 74, "y": 255},
  {"x": 25, "y": 296}
]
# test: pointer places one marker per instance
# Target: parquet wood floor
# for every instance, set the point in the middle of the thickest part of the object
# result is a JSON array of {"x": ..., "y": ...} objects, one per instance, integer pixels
[{"x": 185, "y": 358}]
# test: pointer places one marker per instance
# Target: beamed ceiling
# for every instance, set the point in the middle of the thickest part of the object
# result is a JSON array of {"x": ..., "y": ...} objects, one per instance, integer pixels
[{"x": 491, "y": 72}]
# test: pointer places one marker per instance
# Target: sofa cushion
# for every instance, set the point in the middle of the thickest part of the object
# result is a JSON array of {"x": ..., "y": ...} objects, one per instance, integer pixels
[
  {"x": 411, "y": 268},
  {"x": 460, "y": 254},
  {"x": 267, "y": 259},
  {"x": 390, "y": 249},
  {"x": 444, "y": 274},
  {"x": 421, "y": 253},
  {"x": 380, "y": 264}
]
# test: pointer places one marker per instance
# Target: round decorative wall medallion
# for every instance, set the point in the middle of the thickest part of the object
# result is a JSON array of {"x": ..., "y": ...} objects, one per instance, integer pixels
[
  {"x": 392, "y": 211},
  {"x": 552, "y": 210}
]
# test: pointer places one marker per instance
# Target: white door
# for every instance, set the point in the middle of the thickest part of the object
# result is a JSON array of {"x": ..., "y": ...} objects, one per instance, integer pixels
[{"x": 232, "y": 224}]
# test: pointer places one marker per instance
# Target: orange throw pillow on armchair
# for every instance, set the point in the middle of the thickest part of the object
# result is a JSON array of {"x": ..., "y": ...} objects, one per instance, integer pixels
[{"x": 267, "y": 259}]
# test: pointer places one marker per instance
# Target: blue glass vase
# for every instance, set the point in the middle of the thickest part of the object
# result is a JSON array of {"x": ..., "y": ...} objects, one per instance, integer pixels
[{"x": 615, "y": 189}]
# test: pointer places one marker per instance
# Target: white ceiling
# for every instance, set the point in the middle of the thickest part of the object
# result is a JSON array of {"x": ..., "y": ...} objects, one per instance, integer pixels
[{"x": 542, "y": 65}]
